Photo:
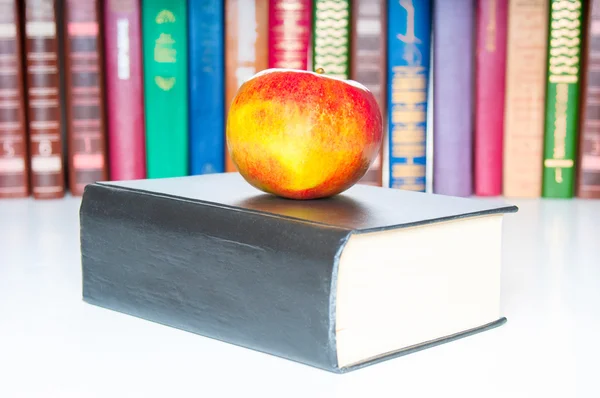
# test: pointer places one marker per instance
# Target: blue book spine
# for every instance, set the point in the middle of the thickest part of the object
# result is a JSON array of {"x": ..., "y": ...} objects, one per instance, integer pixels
[
  {"x": 206, "y": 89},
  {"x": 409, "y": 37}
]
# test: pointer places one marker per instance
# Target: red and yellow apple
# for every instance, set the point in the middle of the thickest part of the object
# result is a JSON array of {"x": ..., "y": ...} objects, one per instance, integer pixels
[{"x": 301, "y": 134}]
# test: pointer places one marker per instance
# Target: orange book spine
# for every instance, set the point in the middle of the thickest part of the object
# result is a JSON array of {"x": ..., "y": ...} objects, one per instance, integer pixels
[{"x": 246, "y": 48}]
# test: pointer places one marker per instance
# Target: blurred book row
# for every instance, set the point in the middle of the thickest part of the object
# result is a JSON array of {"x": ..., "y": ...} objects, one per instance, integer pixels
[{"x": 481, "y": 97}]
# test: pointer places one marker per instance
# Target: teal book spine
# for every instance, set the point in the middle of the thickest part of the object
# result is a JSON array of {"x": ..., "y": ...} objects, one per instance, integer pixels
[{"x": 165, "y": 49}]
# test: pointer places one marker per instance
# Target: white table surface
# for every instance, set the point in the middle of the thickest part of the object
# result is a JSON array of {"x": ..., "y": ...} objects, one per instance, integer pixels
[{"x": 54, "y": 345}]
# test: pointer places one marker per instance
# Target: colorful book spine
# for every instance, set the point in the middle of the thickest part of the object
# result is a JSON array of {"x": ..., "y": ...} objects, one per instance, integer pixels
[
  {"x": 207, "y": 85},
  {"x": 453, "y": 23},
  {"x": 331, "y": 37},
  {"x": 368, "y": 62},
  {"x": 246, "y": 48},
  {"x": 588, "y": 161},
  {"x": 527, "y": 49},
  {"x": 124, "y": 89},
  {"x": 289, "y": 33},
  {"x": 86, "y": 130},
  {"x": 408, "y": 60},
  {"x": 562, "y": 99},
  {"x": 165, "y": 60},
  {"x": 14, "y": 167},
  {"x": 44, "y": 100},
  {"x": 489, "y": 96}
]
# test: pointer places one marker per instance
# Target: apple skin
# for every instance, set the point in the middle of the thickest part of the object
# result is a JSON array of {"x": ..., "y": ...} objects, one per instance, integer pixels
[{"x": 303, "y": 135}]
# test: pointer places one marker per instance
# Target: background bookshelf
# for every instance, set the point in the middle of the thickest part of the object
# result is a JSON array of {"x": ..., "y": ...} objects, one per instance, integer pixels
[{"x": 481, "y": 98}]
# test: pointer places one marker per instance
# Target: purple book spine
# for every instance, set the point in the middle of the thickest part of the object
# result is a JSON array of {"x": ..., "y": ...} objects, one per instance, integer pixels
[{"x": 453, "y": 79}]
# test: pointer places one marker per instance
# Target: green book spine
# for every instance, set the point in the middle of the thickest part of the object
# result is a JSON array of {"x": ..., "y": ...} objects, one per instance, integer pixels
[
  {"x": 164, "y": 25},
  {"x": 562, "y": 99},
  {"x": 331, "y": 32}
]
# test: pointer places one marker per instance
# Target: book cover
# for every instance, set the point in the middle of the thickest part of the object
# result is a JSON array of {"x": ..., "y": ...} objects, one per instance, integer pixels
[
  {"x": 124, "y": 89},
  {"x": 246, "y": 48},
  {"x": 207, "y": 86},
  {"x": 588, "y": 158},
  {"x": 408, "y": 64},
  {"x": 454, "y": 76},
  {"x": 198, "y": 253},
  {"x": 14, "y": 153},
  {"x": 86, "y": 129},
  {"x": 44, "y": 89},
  {"x": 331, "y": 37},
  {"x": 527, "y": 49},
  {"x": 290, "y": 26},
  {"x": 368, "y": 62},
  {"x": 562, "y": 99},
  {"x": 489, "y": 96},
  {"x": 165, "y": 63}
]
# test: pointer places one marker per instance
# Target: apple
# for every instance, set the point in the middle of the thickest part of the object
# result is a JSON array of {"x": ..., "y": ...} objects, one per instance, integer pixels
[{"x": 301, "y": 134}]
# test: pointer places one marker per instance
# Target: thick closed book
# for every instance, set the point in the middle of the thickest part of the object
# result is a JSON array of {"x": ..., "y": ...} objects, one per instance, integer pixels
[{"x": 337, "y": 284}]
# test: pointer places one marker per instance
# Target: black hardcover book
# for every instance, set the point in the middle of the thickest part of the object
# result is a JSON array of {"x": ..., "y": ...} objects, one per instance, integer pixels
[{"x": 336, "y": 283}]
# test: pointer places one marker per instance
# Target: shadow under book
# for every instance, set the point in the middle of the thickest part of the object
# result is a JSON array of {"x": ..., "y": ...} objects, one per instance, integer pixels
[{"x": 338, "y": 283}]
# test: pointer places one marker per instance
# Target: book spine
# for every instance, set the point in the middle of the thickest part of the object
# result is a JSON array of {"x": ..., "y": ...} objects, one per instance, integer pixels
[
  {"x": 368, "y": 44},
  {"x": 562, "y": 99},
  {"x": 527, "y": 48},
  {"x": 124, "y": 90},
  {"x": 453, "y": 110},
  {"x": 489, "y": 96},
  {"x": 409, "y": 38},
  {"x": 289, "y": 33},
  {"x": 206, "y": 91},
  {"x": 165, "y": 60},
  {"x": 14, "y": 167},
  {"x": 588, "y": 160},
  {"x": 86, "y": 130},
  {"x": 229, "y": 277},
  {"x": 331, "y": 37},
  {"x": 246, "y": 48},
  {"x": 43, "y": 100}
]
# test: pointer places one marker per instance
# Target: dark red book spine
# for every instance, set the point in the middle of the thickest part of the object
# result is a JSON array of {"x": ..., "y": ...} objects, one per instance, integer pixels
[
  {"x": 289, "y": 33},
  {"x": 86, "y": 130},
  {"x": 14, "y": 165},
  {"x": 489, "y": 96},
  {"x": 124, "y": 89},
  {"x": 43, "y": 98},
  {"x": 588, "y": 161}
]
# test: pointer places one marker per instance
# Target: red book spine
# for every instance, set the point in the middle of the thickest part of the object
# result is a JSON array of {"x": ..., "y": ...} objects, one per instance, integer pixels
[
  {"x": 489, "y": 96},
  {"x": 289, "y": 33},
  {"x": 14, "y": 169},
  {"x": 86, "y": 129},
  {"x": 43, "y": 97},
  {"x": 124, "y": 90}
]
